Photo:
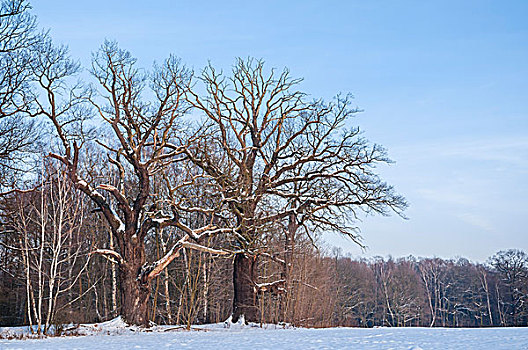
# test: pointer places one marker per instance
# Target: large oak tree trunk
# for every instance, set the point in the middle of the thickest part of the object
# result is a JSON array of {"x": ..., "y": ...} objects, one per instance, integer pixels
[
  {"x": 245, "y": 296},
  {"x": 134, "y": 294}
]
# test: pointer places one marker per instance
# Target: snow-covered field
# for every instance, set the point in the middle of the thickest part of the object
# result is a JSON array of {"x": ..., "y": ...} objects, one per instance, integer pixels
[{"x": 217, "y": 338}]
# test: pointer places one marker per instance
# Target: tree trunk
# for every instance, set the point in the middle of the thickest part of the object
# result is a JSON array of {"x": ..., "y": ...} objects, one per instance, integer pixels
[
  {"x": 286, "y": 300},
  {"x": 134, "y": 294},
  {"x": 114, "y": 278},
  {"x": 205, "y": 292},
  {"x": 245, "y": 296}
]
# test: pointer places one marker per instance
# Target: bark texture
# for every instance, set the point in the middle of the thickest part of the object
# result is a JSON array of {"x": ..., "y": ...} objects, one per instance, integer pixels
[
  {"x": 245, "y": 296},
  {"x": 134, "y": 293}
]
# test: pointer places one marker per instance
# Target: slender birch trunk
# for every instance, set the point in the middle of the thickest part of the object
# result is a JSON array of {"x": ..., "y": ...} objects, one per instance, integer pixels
[
  {"x": 205, "y": 290},
  {"x": 114, "y": 278}
]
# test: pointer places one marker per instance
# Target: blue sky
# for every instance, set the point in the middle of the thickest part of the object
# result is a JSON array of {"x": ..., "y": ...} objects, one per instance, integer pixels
[{"x": 443, "y": 85}]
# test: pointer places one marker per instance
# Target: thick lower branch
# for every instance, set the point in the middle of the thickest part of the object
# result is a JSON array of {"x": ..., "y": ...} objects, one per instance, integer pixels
[
  {"x": 110, "y": 253},
  {"x": 150, "y": 271},
  {"x": 275, "y": 287}
]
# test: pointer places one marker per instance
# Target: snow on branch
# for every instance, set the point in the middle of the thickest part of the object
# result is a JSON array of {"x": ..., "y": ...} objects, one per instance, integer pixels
[
  {"x": 273, "y": 258},
  {"x": 275, "y": 287},
  {"x": 204, "y": 248},
  {"x": 108, "y": 253},
  {"x": 149, "y": 271}
]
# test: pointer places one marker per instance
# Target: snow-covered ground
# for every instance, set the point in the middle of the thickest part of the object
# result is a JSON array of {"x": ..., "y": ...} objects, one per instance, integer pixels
[{"x": 216, "y": 337}]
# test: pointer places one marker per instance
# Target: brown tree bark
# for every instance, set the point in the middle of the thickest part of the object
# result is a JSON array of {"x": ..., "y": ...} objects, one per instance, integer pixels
[
  {"x": 134, "y": 297},
  {"x": 134, "y": 292},
  {"x": 245, "y": 296}
]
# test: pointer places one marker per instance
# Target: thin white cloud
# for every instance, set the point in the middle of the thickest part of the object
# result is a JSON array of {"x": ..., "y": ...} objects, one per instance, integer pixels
[
  {"x": 514, "y": 151},
  {"x": 446, "y": 196},
  {"x": 477, "y": 221},
  {"x": 510, "y": 151}
]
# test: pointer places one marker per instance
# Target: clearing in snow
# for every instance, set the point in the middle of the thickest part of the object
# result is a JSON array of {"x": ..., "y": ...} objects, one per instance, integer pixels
[{"x": 113, "y": 335}]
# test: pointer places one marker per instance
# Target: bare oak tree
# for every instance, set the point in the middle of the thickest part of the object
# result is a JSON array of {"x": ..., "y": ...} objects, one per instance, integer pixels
[
  {"x": 276, "y": 155},
  {"x": 142, "y": 140}
]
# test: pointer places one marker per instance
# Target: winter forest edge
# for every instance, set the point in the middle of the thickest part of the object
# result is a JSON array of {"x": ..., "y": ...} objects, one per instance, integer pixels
[{"x": 180, "y": 197}]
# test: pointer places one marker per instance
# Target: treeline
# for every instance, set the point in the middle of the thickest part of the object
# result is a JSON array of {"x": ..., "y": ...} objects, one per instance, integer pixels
[
  {"x": 50, "y": 276},
  {"x": 433, "y": 292}
]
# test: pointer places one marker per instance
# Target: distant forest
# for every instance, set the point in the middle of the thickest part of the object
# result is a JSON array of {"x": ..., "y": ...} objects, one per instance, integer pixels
[{"x": 327, "y": 289}]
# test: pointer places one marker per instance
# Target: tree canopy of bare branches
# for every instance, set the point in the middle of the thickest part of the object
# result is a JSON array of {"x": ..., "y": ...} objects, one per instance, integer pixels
[
  {"x": 18, "y": 133},
  {"x": 265, "y": 162},
  {"x": 275, "y": 155},
  {"x": 143, "y": 139}
]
